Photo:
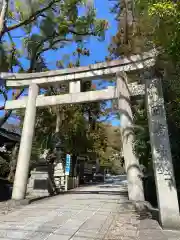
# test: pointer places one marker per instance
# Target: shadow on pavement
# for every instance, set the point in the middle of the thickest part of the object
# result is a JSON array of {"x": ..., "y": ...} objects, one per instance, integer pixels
[
  {"x": 109, "y": 186},
  {"x": 122, "y": 193}
]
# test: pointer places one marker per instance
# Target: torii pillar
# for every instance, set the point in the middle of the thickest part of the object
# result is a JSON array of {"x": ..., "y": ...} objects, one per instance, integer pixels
[
  {"x": 134, "y": 175},
  {"x": 22, "y": 169},
  {"x": 161, "y": 156}
]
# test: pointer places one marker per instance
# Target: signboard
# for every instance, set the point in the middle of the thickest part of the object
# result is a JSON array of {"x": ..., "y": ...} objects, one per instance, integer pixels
[{"x": 68, "y": 162}]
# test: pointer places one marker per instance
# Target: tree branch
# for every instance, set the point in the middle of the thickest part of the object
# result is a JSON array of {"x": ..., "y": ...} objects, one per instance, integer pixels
[
  {"x": 3, "y": 17},
  {"x": 13, "y": 51},
  {"x": 31, "y": 18},
  {"x": 71, "y": 30},
  {"x": 81, "y": 34},
  {"x": 18, "y": 94},
  {"x": 37, "y": 54},
  {"x": 8, "y": 113}
]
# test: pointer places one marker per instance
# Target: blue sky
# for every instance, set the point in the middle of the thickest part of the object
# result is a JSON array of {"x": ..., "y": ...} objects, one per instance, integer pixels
[{"x": 98, "y": 49}]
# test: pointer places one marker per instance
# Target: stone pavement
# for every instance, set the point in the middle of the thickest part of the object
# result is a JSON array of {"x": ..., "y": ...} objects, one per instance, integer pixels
[{"x": 92, "y": 212}]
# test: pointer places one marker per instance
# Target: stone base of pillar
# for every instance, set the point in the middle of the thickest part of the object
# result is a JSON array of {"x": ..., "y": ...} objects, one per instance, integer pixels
[{"x": 134, "y": 178}]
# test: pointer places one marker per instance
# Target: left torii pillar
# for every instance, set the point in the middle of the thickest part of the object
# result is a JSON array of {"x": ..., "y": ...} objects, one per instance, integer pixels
[{"x": 22, "y": 169}]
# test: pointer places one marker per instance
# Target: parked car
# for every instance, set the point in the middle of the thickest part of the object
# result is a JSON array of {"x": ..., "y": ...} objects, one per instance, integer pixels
[
  {"x": 108, "y": 178},
  {"x": 98, "y": 177}
]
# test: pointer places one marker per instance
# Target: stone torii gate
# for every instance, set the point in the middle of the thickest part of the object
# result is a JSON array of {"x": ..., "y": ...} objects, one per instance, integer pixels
[{"x": 151, "y": 88}]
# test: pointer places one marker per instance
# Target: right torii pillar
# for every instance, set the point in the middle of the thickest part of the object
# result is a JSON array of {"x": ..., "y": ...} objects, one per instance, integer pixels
[
  {"x": 134, "y": 175},
  {"x": 161, "y": 155}
]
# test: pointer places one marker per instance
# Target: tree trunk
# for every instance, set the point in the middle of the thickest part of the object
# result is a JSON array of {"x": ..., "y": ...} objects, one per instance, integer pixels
[
  {"x": 4, "y": 7},
  {"x": 13, "y": 163},
  {"x": 58, "y": 121},
  {"x": 74, "y": 160}
]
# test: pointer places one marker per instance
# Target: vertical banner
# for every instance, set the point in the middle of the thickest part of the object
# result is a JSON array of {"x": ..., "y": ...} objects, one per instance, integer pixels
[{"x": 68, "y": 163}]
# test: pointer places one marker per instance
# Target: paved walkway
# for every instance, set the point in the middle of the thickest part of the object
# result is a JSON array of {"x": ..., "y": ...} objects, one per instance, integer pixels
[{"x": 93, "y": 212}]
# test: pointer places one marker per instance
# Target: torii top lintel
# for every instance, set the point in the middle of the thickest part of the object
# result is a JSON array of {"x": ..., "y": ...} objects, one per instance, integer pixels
[{"x": 94, "y": 71}]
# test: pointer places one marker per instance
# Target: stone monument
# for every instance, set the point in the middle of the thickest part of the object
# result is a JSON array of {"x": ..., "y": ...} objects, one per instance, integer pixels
[{"x": 40, "y": 182}]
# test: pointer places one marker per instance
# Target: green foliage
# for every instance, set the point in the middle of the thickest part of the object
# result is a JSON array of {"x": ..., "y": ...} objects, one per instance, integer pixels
[
  {"x": 142, "y": 147},
  {"x": 78, "y": 135},
  {"x": 157, "y": 24},
  {"x": 46, "y": 26},
  {"x": 163, "y": 17},
  {"x": 4, "y": 167}
]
